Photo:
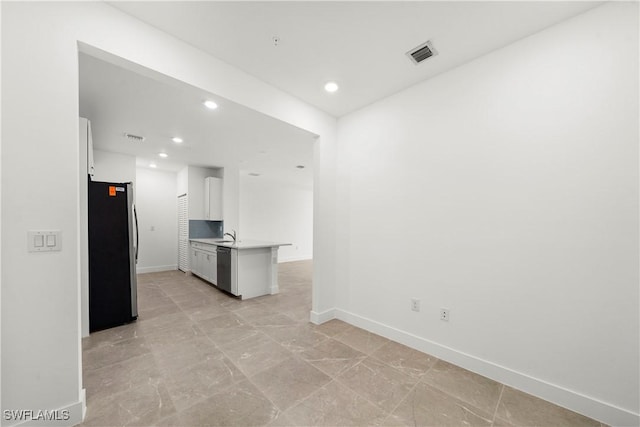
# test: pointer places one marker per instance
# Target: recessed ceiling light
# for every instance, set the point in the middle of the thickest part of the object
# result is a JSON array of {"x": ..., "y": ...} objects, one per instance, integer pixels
[
  {"x": 331, "y": 87},
  {"x": 152, "y": 165},
  {"x": 163, "y": 155},
  {"x": 177, "y": 140},
  {"x": 210, "y": 105}
]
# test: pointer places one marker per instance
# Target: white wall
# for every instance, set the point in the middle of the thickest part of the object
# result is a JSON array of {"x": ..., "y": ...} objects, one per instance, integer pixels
[
  {"x": 41, "y": 352},
  {"x": 507, "y": 191},
  {"x": 231, "y": 199},
  {"x": 114, "y": 167},
  {"x": 157, "y": 208},
  {"x": 277, "y": 213},
  {"x": 182, "y": 181}
]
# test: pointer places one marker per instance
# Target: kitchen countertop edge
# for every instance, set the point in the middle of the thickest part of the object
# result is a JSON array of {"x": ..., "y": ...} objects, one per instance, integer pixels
[{"x": 243, "y": 244}]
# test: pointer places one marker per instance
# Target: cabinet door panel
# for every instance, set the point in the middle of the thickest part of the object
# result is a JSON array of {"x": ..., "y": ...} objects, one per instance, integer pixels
[
  {"x": 207, "y": 267},
  {"x": 194, "y": 262},
  {"x": 213, "y": 199}
]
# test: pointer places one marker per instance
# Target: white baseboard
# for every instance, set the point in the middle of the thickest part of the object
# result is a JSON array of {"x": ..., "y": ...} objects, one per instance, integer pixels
[
  {"x": 83, "y": 399},
  {"x": 74, "y": 414},
  {"x": 588, "y": 406},
  {"x": 324, "y": 316},
  {"x": 295, "y": 258},
  {"x": 156, "y": 268}
]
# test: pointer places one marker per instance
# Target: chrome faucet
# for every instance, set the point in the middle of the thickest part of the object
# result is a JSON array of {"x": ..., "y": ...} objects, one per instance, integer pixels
[{"x": 233, "y": 236}]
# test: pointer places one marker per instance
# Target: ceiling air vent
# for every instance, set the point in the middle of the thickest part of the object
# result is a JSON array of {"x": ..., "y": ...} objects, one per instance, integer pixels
[
  {"x": 422, "y": 52},
  {"x": 134, "y": 138}
]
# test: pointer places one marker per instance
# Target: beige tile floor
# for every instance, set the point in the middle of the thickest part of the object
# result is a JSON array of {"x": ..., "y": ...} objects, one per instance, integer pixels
[{"x": 198, "y": 357}]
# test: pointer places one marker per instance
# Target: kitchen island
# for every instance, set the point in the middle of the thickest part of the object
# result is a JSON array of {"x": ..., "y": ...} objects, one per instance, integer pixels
[{"x": 246, "y": 268}]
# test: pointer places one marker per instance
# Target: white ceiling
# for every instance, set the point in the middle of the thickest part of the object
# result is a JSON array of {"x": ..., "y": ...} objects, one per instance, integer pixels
[
  {"x": 117, "y": 100},
  {"x": 361, "y": 45}
]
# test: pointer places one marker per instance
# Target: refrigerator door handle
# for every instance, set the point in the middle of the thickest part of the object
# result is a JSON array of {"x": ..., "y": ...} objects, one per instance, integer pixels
[{"x": 135, "y": 217}]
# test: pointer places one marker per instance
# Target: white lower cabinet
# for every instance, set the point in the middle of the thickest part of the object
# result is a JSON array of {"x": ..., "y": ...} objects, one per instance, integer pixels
[
  {"x": 195, "y": 261},
  {"x": 254, "y": 271},
  {"x": 211, "y": 268},
  {"x": 204, "y": 262}
]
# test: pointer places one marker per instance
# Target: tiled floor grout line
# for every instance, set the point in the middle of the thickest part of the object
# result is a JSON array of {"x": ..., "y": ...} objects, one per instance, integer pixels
[
  {"x": 100, "y": 348},
  {"x": 194, "y": 323},
  {"x": 388, "y": 414},
  {"x": 248, "y": 378},
  {"x": 495, "y": 412},
  {"x": 440, "y": 390},
  {"x": 375, "y": 405},
  {"x": 422, "y": 380},
  {"x": 412, "y": 388},
  {"x": 299, "y": 402},
  {"x": 292, "y": 354},
  {"x": 403, "y": 399},
  {"x": 120, "y": 392},
  {"x": 198, "y": 401},
  {"x": 225, "y": 354},
  {"x": 337, "y": 379},
  {"x": 168, "y": 287}
]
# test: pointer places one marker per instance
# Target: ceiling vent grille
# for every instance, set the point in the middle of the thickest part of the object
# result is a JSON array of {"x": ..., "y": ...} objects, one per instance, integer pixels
[
  {"x": 422, "y": 52},
  {"x": 134, "y": 138}
]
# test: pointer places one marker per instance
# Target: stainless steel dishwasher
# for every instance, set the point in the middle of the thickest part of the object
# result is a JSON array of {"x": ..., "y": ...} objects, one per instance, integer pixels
[{"x": 224, "y": 268}]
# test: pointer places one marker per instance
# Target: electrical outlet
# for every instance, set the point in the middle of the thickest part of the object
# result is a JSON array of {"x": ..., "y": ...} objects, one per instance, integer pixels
[
  {"x": 415, "y": 304},
  {"x": 444, "y": 314}
]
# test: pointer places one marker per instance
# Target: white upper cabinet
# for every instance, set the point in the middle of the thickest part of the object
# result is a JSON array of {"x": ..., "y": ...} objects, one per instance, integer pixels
[
  {"x": 213, "y": 198},
  {"x": 196, "y": 183}
]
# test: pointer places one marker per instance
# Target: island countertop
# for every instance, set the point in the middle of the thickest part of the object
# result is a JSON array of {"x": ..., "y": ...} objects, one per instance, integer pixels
[{"x": 241, "y": 244}]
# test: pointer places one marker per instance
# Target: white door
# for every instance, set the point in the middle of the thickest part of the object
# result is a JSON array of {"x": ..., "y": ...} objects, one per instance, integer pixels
[{"x": 183, "y": 234}]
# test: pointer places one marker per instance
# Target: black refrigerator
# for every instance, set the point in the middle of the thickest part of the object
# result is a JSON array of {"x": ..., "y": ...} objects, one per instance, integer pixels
[{"x": 113, "y": 254}]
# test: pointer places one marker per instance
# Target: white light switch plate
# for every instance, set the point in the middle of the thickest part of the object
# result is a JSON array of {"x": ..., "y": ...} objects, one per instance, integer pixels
[{"x": 44, "y": 240}]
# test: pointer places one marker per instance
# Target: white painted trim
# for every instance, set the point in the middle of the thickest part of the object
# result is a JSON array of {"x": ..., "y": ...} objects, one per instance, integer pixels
[
  {"x": 273, "y": 267},
  {"x": 76, "y": 410},
  {"x": 156, "y": 268},
  {"x": 295, "y": 258},
  {"x": 83, "y": 399},
  {"x": 572, "y": 400},
  {"x": 320, "y": 318}
]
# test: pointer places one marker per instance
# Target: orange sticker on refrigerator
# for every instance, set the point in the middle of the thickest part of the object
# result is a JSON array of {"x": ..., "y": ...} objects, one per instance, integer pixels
[{"x": 112, "y": 190}]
